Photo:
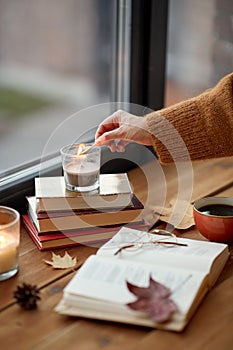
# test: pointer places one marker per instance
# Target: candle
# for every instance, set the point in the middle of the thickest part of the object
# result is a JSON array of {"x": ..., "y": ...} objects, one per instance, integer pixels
[
  {"x": 81, "y": 174},
  {"x": 81, "y": 170},
  {"x": 8, "y": 252},
  {"x": 9, "y": 242}
]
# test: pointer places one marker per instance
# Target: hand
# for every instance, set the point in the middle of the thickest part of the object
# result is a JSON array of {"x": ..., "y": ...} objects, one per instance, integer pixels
[{"x": 124, "y": 127}]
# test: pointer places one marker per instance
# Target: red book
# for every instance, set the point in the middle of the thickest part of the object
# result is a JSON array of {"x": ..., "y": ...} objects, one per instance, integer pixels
[{"x": 89, "y": 236}]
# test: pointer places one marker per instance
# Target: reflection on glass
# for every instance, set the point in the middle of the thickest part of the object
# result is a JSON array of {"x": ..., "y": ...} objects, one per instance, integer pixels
[{"x": 200, "y": 46}]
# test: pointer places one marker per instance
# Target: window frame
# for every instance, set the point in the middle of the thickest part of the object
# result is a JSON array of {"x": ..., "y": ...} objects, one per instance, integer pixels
[{"x": 148, "y": 52}]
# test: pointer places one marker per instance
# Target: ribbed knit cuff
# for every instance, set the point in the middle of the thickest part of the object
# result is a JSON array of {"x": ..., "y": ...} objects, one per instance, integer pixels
[{"x": 167, "y": 143}]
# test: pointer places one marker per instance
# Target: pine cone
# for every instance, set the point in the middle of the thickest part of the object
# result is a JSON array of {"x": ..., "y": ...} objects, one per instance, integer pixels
[{"x": 26, "y": 296}]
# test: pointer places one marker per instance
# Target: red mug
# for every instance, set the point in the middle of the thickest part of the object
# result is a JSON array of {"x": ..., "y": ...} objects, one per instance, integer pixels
[{"x": 213, "y": 218}]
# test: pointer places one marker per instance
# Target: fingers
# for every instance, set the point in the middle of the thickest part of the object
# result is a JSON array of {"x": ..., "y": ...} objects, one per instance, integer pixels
[
  {"x": 118, "y": 132},
  {"x": 111, "y": 145},
  {"x": 103, "y": 128},
  {"x": 120, "y": 146},
  {"x": 105, "y": 138},
  {"x": 109, "y": 124},
  {"x": 116, "y": 146},
  {"x": 124, "y": 127}
]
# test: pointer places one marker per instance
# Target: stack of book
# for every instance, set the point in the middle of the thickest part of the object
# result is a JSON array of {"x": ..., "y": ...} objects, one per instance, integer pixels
[{"x": 58, "y": 218}]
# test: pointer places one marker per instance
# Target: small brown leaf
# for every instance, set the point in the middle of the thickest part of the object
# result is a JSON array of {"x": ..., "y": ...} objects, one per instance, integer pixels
[
  {"x": 61, "y": 262},
  {"x": 168, "y": 214},
  {"x": 154, "y": 300}
]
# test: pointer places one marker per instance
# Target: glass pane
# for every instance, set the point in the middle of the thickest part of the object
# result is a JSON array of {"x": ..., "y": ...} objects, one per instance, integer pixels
[
  {"x": 200, "y": 46},
  {"x": 56, "y": 58}
]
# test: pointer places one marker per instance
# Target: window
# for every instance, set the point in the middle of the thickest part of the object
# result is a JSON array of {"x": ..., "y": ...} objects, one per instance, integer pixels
[
  {"x": 59, "y": 58},
  {"x": 56, "y": 58},
  {"x": 200, "y": 46}
]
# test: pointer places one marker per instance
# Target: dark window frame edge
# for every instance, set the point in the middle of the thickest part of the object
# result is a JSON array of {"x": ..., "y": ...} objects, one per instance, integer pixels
[
  {"x": 148, "y": 52},
  {"x": 15, "y": 187}
]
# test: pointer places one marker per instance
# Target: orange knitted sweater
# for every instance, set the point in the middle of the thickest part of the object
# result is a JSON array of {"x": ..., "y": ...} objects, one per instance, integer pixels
[{"x": 198, "y": 128}]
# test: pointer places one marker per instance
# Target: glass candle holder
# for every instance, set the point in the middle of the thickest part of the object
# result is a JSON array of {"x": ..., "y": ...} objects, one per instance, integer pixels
[
  {"x": 9, "y": 242},
  {"x": 81, "y": 171}
]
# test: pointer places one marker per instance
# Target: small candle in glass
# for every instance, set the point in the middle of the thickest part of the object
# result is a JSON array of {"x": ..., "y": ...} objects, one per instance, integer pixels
[
  {"x": 9, "y": 242},
  {"x": 81, "y": 171}
]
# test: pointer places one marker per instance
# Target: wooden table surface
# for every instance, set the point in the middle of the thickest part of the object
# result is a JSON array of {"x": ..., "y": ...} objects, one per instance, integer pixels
[{"x": 210, "y": 328}]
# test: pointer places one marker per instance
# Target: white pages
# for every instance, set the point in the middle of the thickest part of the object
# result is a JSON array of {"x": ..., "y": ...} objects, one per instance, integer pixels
[{"x": 98, "y": 290}]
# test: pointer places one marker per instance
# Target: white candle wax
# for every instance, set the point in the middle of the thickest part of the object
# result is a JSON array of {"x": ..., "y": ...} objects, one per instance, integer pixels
[
  {"x": 8, "y": 252},
  {"x": 81, "y": 173}
]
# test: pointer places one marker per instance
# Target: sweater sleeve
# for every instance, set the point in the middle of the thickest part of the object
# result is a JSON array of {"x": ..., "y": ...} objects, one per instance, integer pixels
[{"x": 198, "y": 128}]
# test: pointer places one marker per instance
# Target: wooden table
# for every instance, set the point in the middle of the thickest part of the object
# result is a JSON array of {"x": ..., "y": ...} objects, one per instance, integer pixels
[{"x": 210, "y": 328}]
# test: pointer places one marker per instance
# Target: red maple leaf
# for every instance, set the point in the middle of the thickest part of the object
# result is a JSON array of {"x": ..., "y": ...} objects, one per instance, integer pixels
[{"x": 154, "y": 300}]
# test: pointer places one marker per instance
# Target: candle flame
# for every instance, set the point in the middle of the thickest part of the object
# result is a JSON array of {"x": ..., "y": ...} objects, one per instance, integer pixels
[
  {"x": 81, "y": 148},
  {"x": 5, "y": 239},
  {"x": 2, "y": 240}
]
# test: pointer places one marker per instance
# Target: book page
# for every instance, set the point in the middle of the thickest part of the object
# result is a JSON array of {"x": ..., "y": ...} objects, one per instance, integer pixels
[
  {"x": 196, "y": 256},
  {"x": 105, "y": 279}
]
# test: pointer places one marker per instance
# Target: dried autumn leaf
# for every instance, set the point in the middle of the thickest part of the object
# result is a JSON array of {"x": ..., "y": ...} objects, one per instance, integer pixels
[
  {"x": 154, "y": 300},
  {"x": 61, "y": 262},
  {"x": 168, "y": 214}
]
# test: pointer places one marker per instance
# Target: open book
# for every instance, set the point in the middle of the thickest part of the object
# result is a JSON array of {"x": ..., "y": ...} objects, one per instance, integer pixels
[{"x": 99, "y": 290}]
